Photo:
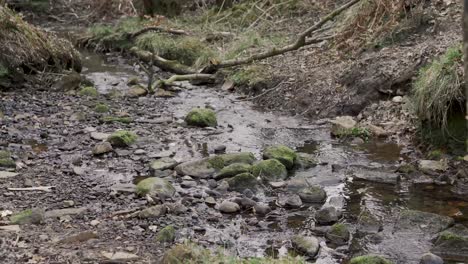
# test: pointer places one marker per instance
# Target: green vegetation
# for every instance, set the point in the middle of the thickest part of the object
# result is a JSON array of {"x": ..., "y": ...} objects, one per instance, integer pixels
[
  {"x": 101, "y": 108},
  {"x": 5, "y": 159},
  {"x": 270, "y": 170},
  {"x": 201, "y": 117},
  {"x": 435, "y": 154},
  {"x": 116, "y": 119},
  {"x": 449, "y": 236},
  {"x": 360, "y": 132},
  {"x": 281, "y": 153},
  {"x": 439, "y": 101},
  {"x": 114, "y": 37},
  {"x": 122, "y": 138},
  {"x": 88, "y": 91},
  {"x": 339, "y": 229},
  {"x": 190, "y": 253},
  {"x": 166, "y": 235},
  {"x": 369, "y": 259},
  {"x": 251, "y": 75}
]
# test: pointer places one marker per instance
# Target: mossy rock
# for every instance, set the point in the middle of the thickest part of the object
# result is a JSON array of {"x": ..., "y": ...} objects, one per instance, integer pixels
[
  {"x": 166, "y": 235},
  {"x": 116, "y": 119},
  {"x": 201, "y": 117},
  {"x": 241, "y": 182},
  {"x": 309, "y": 246},
  {"x": 305, "y": 161},
  {"x": 5, "y": 160},
  {"x": 101, "y": 108},
  {"x": 282, "y": 153},
  {"x": 338, "y": 234},
  {"x": 28, "y": 216},
  {"x": 133, "y": 81},
  {"x": 370, "y": 259},
  {"x": 88, "y": 91},
  {"x": 233, "y": 170},
  {"x": 270, "y": 170},
  {"x": 312, "y": 194},
  {"x": 221, "y": 161},
  {"x": 122, "y": 138},
  {"x": 155, "y": 187},
  {"x": 185, "y": 253}
]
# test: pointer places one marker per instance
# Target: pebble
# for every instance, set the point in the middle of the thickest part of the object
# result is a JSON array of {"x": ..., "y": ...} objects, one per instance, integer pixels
[
  {"x": 68, "y": 203},
  {"x": 188, "y": 184},
  {"x": 229, "y": 207},
  {"x": 262, "y": 209},
  {"x": 94, "y": 223}
]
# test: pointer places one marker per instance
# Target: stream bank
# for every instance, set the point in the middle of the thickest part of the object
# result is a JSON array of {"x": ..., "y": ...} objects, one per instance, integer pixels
[{"x": 90, "y": 211}]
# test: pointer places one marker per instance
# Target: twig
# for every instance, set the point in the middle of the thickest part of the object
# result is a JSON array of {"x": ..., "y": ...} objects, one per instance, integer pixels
[{"x": 39, "y": 188}]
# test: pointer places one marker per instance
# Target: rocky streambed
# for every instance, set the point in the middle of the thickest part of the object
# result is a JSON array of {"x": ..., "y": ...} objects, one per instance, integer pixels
[{"x": 255, "y": 185}]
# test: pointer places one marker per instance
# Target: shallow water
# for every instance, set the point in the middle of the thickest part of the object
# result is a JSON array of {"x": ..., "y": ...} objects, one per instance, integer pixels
[{"x": 244, "y": 128}]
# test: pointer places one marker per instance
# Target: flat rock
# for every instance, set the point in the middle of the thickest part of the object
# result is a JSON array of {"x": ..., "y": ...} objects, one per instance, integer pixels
[
  {"x": 80, "y": 237},
  {"x": 99, "y": 136},
  {"x": 433, "y": 165},
  {"x": 119, "y": 256},
  {"x": 376, "y": 176},
  {"x": 163, "y": 164},
  {"x": 7, "y": 174},
  {"x": 10, "y": 228},
  {"x": 424, "y": 222},
  {"x": 63, "y": 212},
  {"x": 102, "y": 148},
  {"x": 229, "y": 207},
  {"x": 198, "y": 169}
]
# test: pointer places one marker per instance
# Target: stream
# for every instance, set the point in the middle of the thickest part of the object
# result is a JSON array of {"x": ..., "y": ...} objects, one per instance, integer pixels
[{"x": 50, "y": 133}]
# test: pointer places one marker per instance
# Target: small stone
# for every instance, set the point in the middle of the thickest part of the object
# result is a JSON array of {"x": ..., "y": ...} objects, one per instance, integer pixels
[
  {"x": 377, "y": 131},
  {"x": 341, "y": 125},
  {"x": 241, "y": 182},
  {"x": 80, "y": 237},
  {"x": 293, "y": 201},
  {"x": 277, "y": 185},
  {"x": 43, "y": 237},
  {"x": 68, "y": 203},
  {"x": 306, "y": 245},
  {"x": 140, "y": 152},
  {"x": 229, "y": 207},
  {"x": 338, "y": 234},
  {"x": 119, "y": 256},
  {"x": 327, "y": 215},
  {"x": 11, "y": 228},
  {"x": 102, "y": 148},
  {"x": 122, "y": 138},
  {"x": 210, "y": 201},
  {"x": 220, "y": 149},
  {"x": 163, "y": 164},
  {"x": 430, "y": 258},
  {"x": 156, "y": 187},
  {"x": 313, "y": 194},
  {"x": 137, "y": 91},
  {"x": 188, "y": 184},
  {"x": 152, "y": 212},
  {"x": 99, "y": 136},
  {"x": 429, "y": 166},
  {"x": 397, "y": 99},
  {"x": 357, "y": 141},
  {"x": 261, "y": 209},
  {"x": 65, "y": 212},
  {"x": 94, "y": 223}
]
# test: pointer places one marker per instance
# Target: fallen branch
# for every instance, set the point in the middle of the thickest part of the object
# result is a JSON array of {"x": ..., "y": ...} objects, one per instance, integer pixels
[
  {"x": 40, "y": 188},
  {"x": 167, "y": 65},
  {"x": 156, "y": 29},
  {"x": 299, "y": 43},
  {"x": 187, "y": 77}
]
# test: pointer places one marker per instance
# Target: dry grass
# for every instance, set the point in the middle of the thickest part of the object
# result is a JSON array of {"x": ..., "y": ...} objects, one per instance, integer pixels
[
  {"x": 375, "y": 20},
  {"x": 28, "y": 49}
]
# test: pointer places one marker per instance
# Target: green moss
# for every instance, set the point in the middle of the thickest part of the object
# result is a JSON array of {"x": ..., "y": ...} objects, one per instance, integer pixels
[
  {"x": 4, "y": 72},
  {"x": 28, "y": 216},
  {"x": 240, "y": 157},
  {"x": 155, "y": 187},
  {"x": 116, "y": 119},
  {"x": 251, "y": 75},
  {"x": 201, "y": 117},
  {"x": 166, "y": 235},
  {"x": 189, "y": 51},
  {"x": 122, "y": 138},
  {"x": 438, "y": 97},
  {"x": 88, "y": 91},
  {"x": 282, "y": 153},
  {"x": 369, "y": 259},
  {"x": 5, "y": 154},
  {"x": 435, "y": 154},
  {"x": 270, "y": 170},
  {"x": 216, "y": 162},
  {"x": 233, "y": 170},
  {"x": 5, "y": 159},
  {"x": 21, "y": 217},
  {"x": 115, "y": 37},
  {"x": 101, "y": 108},
  {"x": 449, "y": 236},
  {"x": 339, "y": 229},
  {"x": 242, "y": 181}
]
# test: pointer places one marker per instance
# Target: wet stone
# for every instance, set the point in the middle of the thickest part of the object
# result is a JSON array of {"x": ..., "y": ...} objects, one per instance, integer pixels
[
  {"x": 233, "y": 170},
  {"x": 242, "y": 182},
  {"x": 163, "y": 164},
  {"x": 155, "y": 187},
  {"x": 229, "y": 207},
  {"x": 261, "y": 209},
  {"x": 188, "y": 184},
  {"x": 270, "y": 170},
  {"x": 102, "y": 148},
  {"x": 99, "y": 136},
  {"x": 430, "y": 258},
  {"x": 307, "y": 245},
  {"x": 313, "y": 194},
  {"x": 283, "y": 154},
  {"x": 428, "y": 223},
  {"x": 368, "y": 223},
  {"x": 327, "y": 215}
]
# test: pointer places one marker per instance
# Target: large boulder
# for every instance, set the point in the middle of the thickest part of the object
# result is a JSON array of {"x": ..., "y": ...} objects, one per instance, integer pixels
[
  {"x": 155, "y": 187},
  {"x": 338, "y": 234},
  {"x": 270, "y": 170},
  {"x": 282, "y": 153},
  {"x": 201, "y": 117},
  {"x": 427, "y": 223}
]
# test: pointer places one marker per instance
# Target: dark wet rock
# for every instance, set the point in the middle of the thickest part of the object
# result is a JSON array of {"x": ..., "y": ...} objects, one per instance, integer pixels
[
  {"x": 432, "y": 166},
  {"x": 163, "y": 164},
  {"x": 281, "y": 153},
  {"x": 261, "y": 209},
  {"x": 327, "y": 215},
  {"x": 166, "y": 235},
  {"x": 428, "y": 223},
  {"x": 338, "y": 234},
  {"x": 176, "y": 208},
  {"x": 79, "y": 237},
  {"x": 289, "y": 200},
  {"x": 188, "y": 184},
  {"x": 233, "y": 170},
  {"x": 199, "y": 168},
  {"x": 5, "y": 160},
  {"x": 156, "y": 188},
  {"x": 99, "y": 136},
  {"x": 220, "y": 149},
  {"x": 241, "y": 182},
  {"x": 137, "y": 91},
  {"x": 305, "y": 161},
  {"x": 65, "y": 212},
  {"x": 368, "y": 223},
  {"x": 68, "y": 82},
  {"x": 341, "y": 125},
  {"x": 307, "y": 245},
  {"x": 270, "y": 170},
  {"x": 370, "y": 259},
  {"x": 152, "y": 212},
  {"x": 201, "y": 117},
  {"x": 29, "y": 216},
  {"x": 245, "y": 202},
  {"x": 102, "y": 148},
  {"x": 122, "y": 138},
  {"x": 430, "y": 258},
  {"x": 376, "y": 176},
  {"x": 229, "y": 207},
  {"x": 312, "y": 194},
  {"x": 452, "y": 244}
]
